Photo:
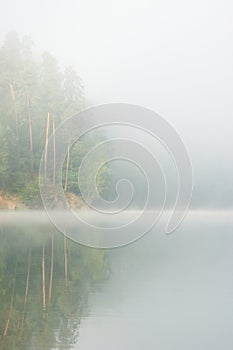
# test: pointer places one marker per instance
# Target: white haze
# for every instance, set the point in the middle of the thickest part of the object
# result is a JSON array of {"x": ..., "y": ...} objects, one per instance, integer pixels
[{"x": 174, "y": 57}]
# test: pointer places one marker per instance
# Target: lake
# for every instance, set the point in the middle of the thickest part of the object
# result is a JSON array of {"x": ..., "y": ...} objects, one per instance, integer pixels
[{"x": 165, "y": 292}]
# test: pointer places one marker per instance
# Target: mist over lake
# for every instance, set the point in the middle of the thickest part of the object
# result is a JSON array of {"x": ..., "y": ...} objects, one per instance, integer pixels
[
  {"x": 116, "y": 187},
  {"x": 163, "y": 291}
]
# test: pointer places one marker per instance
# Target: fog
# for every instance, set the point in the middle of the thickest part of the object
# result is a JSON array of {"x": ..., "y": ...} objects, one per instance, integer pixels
[{"x": 173, "y": 57}]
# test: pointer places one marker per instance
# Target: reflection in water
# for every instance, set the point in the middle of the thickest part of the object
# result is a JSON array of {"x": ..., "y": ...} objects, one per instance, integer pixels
[
  {"x": 165, "y": 292},
  {"x": 45, "y": 280}
]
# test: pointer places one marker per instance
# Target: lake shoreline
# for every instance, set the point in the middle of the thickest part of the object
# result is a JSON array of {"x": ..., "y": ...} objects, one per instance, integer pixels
[{"x": 13, "y": 202}]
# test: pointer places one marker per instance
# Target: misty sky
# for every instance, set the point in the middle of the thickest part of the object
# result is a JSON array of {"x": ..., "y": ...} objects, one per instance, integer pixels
[{"x": 172, "y": 56}]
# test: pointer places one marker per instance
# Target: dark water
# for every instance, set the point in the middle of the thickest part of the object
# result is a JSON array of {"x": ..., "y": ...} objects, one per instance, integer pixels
[{"x": 161, "y": 292}]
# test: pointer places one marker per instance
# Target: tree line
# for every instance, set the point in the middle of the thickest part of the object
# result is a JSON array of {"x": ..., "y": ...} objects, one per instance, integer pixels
[{"x": 35, "y": 97}]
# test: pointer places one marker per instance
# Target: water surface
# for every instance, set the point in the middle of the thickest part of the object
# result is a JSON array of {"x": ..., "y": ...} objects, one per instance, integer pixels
[{"x": 161, "y": 292}]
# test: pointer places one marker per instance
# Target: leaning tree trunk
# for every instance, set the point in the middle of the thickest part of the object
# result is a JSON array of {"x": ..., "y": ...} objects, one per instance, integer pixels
[
  {"x": 67, "y": 168},
  {"x": 26, "y": 292},
  {"x": 46, "y": 144},
  {"x": 51, "y": 270},
  {"x": 11, "y": 306},
  {"x": 43, "y": 278},
  {"x": 54, "y": 153},
  {"x": 65, "y": 264},
  {"x": 12, "y": 92},
  {"x": 30, "y": 130}
]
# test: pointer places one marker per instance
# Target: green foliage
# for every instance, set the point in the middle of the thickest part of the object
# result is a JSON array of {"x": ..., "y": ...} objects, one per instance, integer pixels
[
  {"x": 31, "y": 194},
  {"x": 31, "y": 88}
]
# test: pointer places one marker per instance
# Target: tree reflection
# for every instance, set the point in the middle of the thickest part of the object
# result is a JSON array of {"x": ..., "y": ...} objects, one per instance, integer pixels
[{"x": 45, "y": 280}]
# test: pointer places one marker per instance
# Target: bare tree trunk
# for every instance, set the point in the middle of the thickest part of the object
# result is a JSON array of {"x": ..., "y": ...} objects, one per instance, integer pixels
[
  {"x": 30, "y": 130},
  {"x": 46, "y": 144},
  {"x": 67, "y": 167},
  {"x": 54, "y": 153},
  {"x": 43, "y": 278},
  {"x": 65, "y": 263},
  {"x": 11, "y": 307},
  {"x": 51, "y": 270},
  {"x": 12, "y": 91},
  {"x": 26, "y": 291}
]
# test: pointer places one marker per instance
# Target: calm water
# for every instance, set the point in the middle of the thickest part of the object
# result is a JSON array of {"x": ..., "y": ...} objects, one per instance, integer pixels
[{"x": 162, "y": 292}]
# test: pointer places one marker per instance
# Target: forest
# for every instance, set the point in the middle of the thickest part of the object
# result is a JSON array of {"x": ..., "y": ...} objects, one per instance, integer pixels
[{"x": 36, "y": 95}]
